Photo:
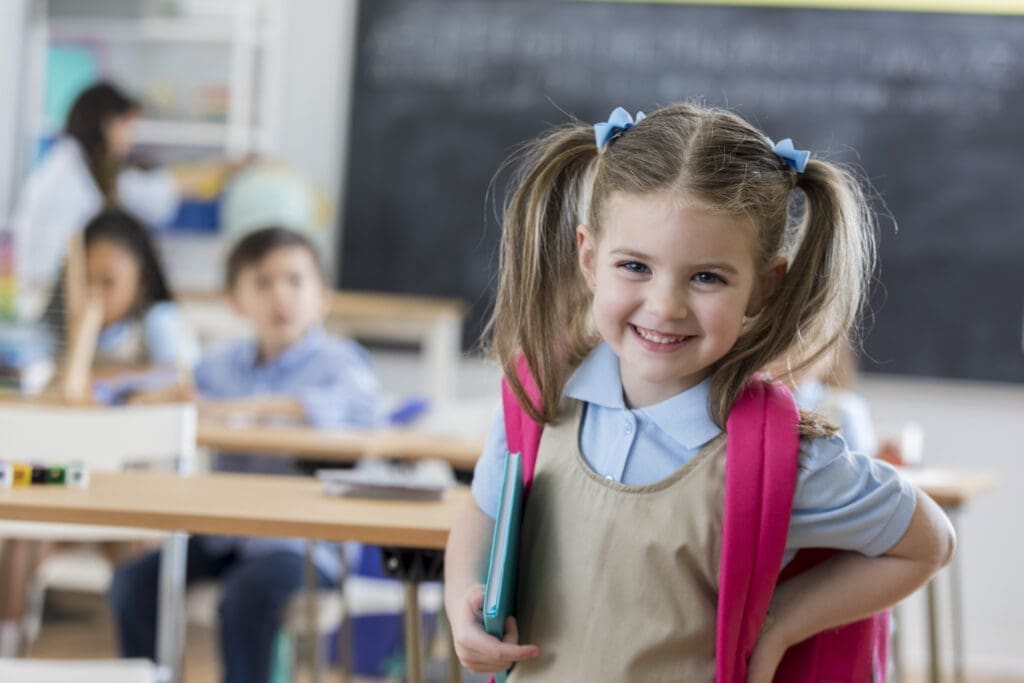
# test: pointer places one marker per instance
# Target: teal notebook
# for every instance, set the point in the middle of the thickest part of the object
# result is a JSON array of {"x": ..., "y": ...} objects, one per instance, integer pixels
[{"x": 500, "y": 590}]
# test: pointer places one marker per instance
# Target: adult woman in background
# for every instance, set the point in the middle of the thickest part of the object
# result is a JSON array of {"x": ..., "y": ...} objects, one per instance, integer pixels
[{"x": 83, "y": 173}]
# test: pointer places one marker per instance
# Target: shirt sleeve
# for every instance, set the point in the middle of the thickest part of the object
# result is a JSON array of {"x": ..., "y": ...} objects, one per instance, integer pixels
[
  {"x": 151, "y": 195},
  {"x": 208, "y": 373},
  {"x": 490, "y": 468},
  {"x": 847, "y": 501},
  {"x": 347, "y": 395},
  {"x": 167, "y": 339}
]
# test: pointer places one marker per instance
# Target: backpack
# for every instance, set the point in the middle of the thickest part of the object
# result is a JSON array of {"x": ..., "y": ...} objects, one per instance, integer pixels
[{"x": 760, "y": 479}]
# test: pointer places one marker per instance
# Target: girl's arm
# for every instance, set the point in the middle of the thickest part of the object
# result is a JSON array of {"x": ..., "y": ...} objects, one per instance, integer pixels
[
  {"x": 464, "y": 563},
  {"x": 851, "y": 586}
]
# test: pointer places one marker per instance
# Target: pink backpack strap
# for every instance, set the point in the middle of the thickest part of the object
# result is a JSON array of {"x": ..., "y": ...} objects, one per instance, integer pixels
[
  {"x": 762, "y": 448},
  {"x": 522, "y": 433},
  {"x": 760, "y": 479}
]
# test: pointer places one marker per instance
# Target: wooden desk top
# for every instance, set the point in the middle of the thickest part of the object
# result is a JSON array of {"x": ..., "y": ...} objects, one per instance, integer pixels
[
  {"x": 238, "y": 504},
  {"x": 363, "y": 304},
  {"x": 950, "y": 488},
  {"x": 340, "y": 445}
]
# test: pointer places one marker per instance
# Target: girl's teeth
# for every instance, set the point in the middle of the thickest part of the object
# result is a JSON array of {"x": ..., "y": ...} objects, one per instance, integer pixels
[{"x": 650, "y": 336}]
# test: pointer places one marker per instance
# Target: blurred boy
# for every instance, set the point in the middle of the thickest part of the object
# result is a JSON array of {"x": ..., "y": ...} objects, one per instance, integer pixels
[{"x": 293, "y": 370}]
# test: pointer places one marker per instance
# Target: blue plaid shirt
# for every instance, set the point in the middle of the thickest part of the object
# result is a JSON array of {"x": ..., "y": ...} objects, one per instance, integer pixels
[{"x": 333, "y": 381}]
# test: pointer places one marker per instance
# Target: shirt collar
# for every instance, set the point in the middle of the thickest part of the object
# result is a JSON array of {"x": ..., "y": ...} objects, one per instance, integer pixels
[
  {"x": 684, "y": 417},
  {"x": 297, "y": 352},
  {"x": 597, "y": 379}
]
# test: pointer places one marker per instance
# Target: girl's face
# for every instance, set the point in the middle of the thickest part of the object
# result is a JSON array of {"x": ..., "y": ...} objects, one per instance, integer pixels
[
  {"x": 114, "y": 274},
  {"x": 672, "y": 282},
  {"x": 120, "y": 134}
]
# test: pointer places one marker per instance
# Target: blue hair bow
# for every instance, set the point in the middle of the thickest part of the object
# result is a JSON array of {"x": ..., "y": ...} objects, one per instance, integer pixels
[
  {"x": 795, "y": 158},
  {"x": 619, "y": 122}
]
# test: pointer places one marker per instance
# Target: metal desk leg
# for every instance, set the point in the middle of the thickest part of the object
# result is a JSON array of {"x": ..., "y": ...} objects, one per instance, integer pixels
[
  {"x": 896, "y": 623},
  {"x": 413, "y": 637},
  {"x": 412, "y": 567},
  {"x": 170, "y": 634},
  {"x": 956, "y": 607},
  {"x": 454, "y": 667},
  {"x": 934, "y": 665},
  {"x": 442, "y": 350},
  {"x": 312, "y": 630}
]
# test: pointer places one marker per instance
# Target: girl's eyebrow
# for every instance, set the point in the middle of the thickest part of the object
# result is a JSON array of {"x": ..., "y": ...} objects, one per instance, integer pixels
[
  {"x": 630, "y": 253},
  {"x": 723, "y": 266},
  {"x": 718, "y": 265}
]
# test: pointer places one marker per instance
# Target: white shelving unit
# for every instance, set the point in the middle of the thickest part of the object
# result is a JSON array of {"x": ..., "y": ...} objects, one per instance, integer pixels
[
  {"x": 175, "y": 48},
  {"x": 250, "y": 34},
  {"x": 286, "y": 69}
]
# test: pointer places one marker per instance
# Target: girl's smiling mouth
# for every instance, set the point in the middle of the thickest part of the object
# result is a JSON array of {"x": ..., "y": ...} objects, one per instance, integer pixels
[{"x": 657, "y": 341}]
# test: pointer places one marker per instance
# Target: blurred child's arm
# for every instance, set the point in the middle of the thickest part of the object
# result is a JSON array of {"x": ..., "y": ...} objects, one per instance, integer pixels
[
  {"x": 256, "y": 407},
  {"x": 346, "y": 395},
  {"x": 177, "y": 393},
  {"x": 464, "y": 561},
  {"x": 851, "y": 586}
]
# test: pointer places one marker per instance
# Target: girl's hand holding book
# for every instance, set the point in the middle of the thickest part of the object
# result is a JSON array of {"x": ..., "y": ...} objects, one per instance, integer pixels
[{"x": 479, "y": 651}]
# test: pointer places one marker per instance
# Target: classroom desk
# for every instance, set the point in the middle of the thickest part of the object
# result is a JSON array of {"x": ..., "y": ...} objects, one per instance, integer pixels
[
  {"x": 433, "y": 323},
  {"x": 342, "y": 446},
  {"x": 252, "y": 505},
  {"x": 952, "y": 490}
]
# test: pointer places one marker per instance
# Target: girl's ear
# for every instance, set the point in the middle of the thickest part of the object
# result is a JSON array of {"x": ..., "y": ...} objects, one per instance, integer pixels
[
  {"x": 586, "y": 251},
  {"x": 771, "y": 280}
]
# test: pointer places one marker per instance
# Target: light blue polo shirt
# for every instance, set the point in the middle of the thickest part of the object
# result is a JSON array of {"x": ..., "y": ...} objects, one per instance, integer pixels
[
  {"x": 843, "y": 500},
  {"x": 165, "y": 338},
  {"x": 335, "y": 383}
]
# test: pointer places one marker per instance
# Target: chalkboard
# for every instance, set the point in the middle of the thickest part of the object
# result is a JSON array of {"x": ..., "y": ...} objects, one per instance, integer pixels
[{"x": 930, "y": 107}]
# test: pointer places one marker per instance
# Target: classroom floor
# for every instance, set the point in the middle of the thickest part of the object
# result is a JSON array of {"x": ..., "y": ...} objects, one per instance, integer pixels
[{"x": 78, "y": 625}]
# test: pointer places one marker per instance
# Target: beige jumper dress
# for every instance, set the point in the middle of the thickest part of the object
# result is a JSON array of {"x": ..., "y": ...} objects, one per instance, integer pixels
[{"x": 618, "y": 582}]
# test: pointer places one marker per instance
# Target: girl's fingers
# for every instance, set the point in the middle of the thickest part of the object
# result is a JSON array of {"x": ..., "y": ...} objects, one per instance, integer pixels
[
  {"x": 512, "y": 638},
  {"x": 481, "y": 652},
  {"x": 476, "y": 600}
]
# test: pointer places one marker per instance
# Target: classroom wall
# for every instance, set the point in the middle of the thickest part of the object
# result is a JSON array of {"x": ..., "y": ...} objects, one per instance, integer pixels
[
  {"x": 318, "y": 62},
  {"x": 12, "y": 19}
]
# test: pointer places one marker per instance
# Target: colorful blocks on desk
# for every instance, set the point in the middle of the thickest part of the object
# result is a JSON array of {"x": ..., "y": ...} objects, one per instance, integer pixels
[
  {"x": 77, "y": 475},
  {"x": 55, "y": 474},
  {"x": 17, "y": 475},
  {"x": 22, "y": 474}
]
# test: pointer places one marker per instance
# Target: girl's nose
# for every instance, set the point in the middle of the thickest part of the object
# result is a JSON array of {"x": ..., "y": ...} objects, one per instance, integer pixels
[{"x": 668, "y": 301}]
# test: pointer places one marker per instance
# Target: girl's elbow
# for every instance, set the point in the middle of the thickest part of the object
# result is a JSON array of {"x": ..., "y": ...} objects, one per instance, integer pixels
[{"x": 946, "y": 545}]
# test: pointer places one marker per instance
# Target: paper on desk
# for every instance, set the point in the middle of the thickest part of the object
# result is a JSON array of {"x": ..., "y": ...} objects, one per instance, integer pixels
[{"x": 423, "y": 480}]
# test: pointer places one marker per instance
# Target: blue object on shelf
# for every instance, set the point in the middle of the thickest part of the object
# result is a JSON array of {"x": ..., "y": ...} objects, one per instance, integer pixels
[
  {"x": 195, "y": 215},
  {"x": 117, "y": 390}
]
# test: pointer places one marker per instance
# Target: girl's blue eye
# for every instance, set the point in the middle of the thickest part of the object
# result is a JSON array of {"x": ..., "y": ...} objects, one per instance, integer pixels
[
  {"x": 706, "y": 278},
  {"x": 635, "y": 267}
]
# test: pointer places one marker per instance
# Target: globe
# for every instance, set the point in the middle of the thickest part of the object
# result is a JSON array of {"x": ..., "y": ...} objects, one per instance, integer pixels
[{"x": 264, "y": 195}]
